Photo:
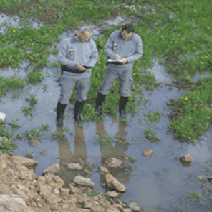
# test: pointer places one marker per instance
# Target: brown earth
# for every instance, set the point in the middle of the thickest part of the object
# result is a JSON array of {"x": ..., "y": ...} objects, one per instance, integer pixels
[{"x": 21, "y": 190}]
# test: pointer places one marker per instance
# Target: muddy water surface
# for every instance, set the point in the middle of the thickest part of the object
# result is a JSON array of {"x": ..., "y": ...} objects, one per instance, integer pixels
[{"x": 158, "y": 180}]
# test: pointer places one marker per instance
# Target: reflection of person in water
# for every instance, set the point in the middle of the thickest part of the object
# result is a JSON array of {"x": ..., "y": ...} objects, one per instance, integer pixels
[
  {"x": 80, "y": 151},
  {"x": 66, "y": 156},
  {"x": 118, "y": 152}
]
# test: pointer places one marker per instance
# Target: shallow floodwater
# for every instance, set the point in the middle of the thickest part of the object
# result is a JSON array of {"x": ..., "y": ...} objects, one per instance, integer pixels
[{"x": 152, "y": 185}]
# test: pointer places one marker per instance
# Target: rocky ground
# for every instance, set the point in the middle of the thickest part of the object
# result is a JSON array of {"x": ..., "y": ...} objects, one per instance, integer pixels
[{"x": 22, "y": 190}]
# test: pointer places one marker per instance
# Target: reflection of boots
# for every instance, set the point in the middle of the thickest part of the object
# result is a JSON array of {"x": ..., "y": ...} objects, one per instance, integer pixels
[
  {"x": 80, "y": 149},
  {"x": 122, "y": 105},
  {"x": 114, "y": 120},
  {"x": 60, "y": 113},
  {"x": 99, "y": 101},
  {"x": 120, "y": 135},
  {"x": 78, "y": 107},
  {"x": 65, "y": 157},
  {"x": 101, "y": 132}
]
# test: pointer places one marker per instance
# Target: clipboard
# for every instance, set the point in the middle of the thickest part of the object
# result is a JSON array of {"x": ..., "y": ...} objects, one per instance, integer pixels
[{"x": 110, "y": 60}]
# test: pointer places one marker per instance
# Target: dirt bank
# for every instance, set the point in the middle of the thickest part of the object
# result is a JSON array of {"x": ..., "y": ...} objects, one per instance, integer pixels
[{"x": 21, "y": 190}]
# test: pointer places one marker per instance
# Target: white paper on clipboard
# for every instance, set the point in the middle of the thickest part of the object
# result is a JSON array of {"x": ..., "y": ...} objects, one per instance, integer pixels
[{"x": 110, "y": 60}]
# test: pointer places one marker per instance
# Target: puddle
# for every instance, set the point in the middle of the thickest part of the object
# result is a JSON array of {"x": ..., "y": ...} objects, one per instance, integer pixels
[{"x": 146, "y": 188}]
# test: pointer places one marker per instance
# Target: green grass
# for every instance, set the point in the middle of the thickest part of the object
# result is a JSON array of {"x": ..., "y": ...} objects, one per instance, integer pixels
[
  {"x": 191, "y": 115},
  {"x": 154, "y": 116},
  {"x": 150, "y": 135},
  {"x": 195, "y": 115},
  {"x": 29, "y": 155},
  {"x": 165, "y": 43},
  {"x": 95, "y": 193},
  {"x": 132, "y": 159}
]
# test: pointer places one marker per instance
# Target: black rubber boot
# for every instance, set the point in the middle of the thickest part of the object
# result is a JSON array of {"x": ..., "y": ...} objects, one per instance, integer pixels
[
  {"x": 99, "y": 102},
  {"x": 78, "y": 107},
  {"x": 122, "y": 104},
  {"x": 60, "y": 113}
]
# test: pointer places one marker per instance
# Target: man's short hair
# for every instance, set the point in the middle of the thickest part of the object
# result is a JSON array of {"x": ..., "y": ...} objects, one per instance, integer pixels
[
  {"x": 129, "y": 27},
  {"x": 85, "y": 28}
]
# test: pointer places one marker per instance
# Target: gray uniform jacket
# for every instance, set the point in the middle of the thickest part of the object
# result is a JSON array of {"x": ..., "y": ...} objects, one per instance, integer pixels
[
  {"x": 132, "y": 49},
  {"x": 71, "y": 51}
]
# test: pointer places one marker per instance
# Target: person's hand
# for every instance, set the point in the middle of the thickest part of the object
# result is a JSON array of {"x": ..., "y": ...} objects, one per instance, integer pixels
[
  {"x": 125, "y": 60},
  {"x": 86, "y": 69},
  {"x": 117, "y": 57},
  {"x": 80, "y": 66}
]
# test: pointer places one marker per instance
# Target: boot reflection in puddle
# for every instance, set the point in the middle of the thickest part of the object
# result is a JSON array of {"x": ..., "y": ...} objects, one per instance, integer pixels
[
  {"x": 118, "y": 152},
  {"x": 66, "y": 155}
]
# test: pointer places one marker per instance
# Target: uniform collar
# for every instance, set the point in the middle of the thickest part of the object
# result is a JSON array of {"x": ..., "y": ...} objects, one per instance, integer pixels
[{"x": 120, "y": 36}]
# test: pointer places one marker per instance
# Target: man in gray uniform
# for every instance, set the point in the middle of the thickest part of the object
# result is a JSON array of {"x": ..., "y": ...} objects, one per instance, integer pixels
[
  {"x": 77, "y": 56},
  {"x": 126, "y": 46}
]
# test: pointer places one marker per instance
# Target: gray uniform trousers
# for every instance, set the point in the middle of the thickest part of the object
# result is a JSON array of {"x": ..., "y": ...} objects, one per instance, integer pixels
[
  {"x": 67, "y": 86},
  {"x": 125, "y": 79}
]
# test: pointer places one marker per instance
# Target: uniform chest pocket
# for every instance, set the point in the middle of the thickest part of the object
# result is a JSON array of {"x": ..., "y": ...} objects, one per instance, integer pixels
[
  {"x": 114, "y": 46},
  {"x": 71, "y": 53}
]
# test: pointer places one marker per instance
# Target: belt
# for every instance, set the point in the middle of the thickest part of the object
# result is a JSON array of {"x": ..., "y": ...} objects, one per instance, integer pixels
[
  {"x": 65, "y": 68},
  {"x": 116, "y": 63}
]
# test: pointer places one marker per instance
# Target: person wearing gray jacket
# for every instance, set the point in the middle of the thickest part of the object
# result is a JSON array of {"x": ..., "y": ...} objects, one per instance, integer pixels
[
  {"x": 77, "y": 56},
  {"x": 122, "y": 46}
]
